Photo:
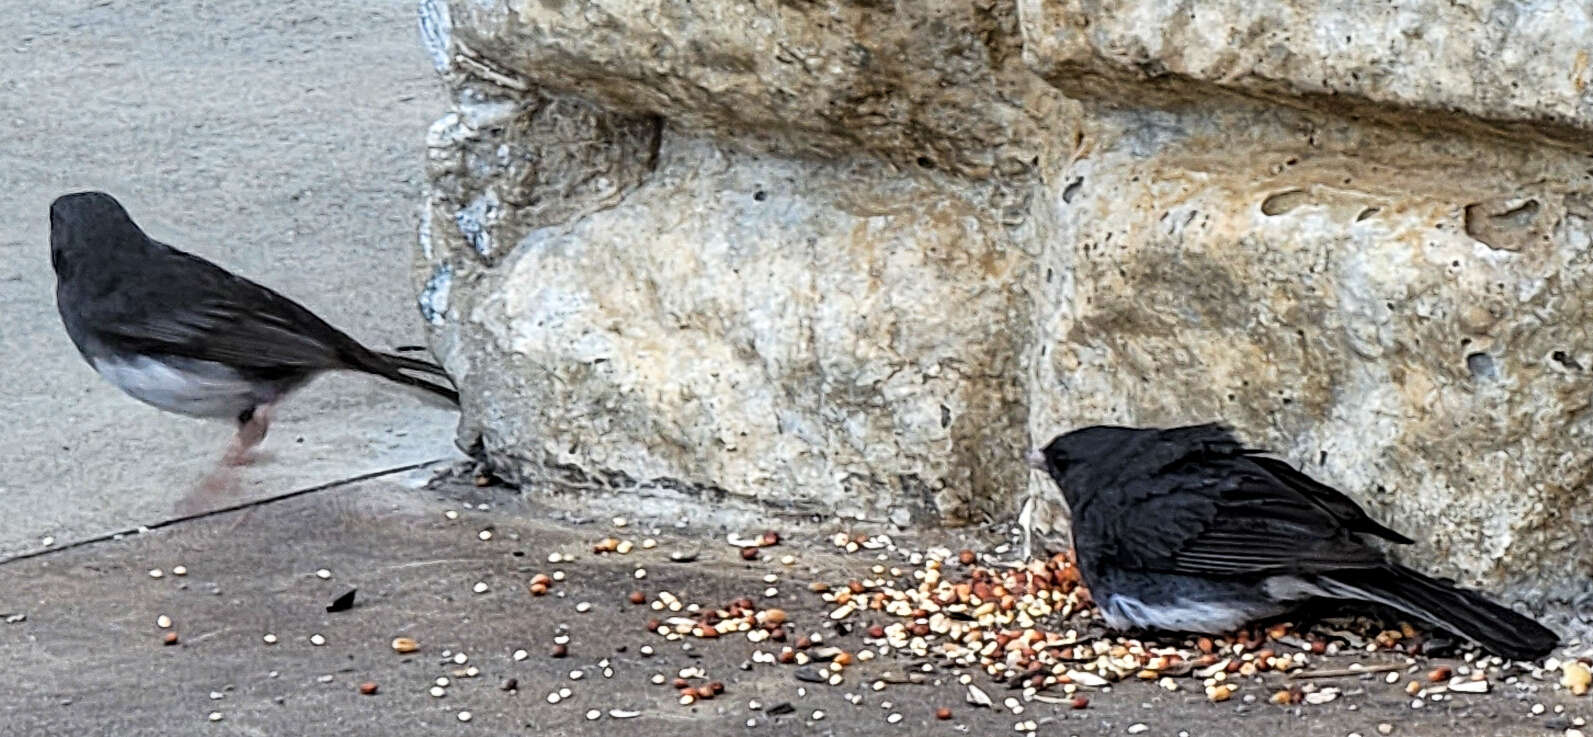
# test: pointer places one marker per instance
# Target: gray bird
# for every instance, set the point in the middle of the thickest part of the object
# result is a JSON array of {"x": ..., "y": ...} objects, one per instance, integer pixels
[
  {"x": 1184, "y": 529},
  {"x": 184, "y": 335}
]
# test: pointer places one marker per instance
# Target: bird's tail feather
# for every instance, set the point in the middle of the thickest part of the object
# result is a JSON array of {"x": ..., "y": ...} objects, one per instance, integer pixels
[
  {"x": 414, "y": 364},
  {"x": 392, "y": 367},
  {"x": 1467, "y": 613}
]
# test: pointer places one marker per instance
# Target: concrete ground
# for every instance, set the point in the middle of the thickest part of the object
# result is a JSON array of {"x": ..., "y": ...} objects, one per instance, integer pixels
[
  {"x": 85, "y": 653},
  {"x": 283, "y": 140}
]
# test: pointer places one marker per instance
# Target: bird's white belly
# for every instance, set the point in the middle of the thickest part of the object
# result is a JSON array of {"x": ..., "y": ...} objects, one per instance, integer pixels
[{"x": 185, "y": 386}]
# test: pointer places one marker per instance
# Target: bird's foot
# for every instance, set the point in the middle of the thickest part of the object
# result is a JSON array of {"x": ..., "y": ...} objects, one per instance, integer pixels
[{"x": 252, "y": 427}]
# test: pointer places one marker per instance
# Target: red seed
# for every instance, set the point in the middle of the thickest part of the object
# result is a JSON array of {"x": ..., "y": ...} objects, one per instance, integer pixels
[
  {"x": 680, "y": 683},
  {"x": 1079, "y": 702},
  {"x": 368, "y": 688},
  {"x": 876, "y": 632},
  {"x": 777, "y": 634},
  {"x": 966, "y": 557},
  {"x": 560, "y": 651},
  {"x": 803, "y": 643},
  {"x": 638, "y": 597},
  {"x": 749, "y": 553},
  {"x": 718, "y": 687},
  {"x": 771, "y": 538},
  {"x": 704, "y": 692},
  {"x": 943, "y": 713},
  {"x": 170, "y": 638}
]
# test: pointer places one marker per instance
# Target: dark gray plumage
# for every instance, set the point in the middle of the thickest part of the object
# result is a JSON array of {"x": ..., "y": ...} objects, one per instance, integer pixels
[
  {"x": 180, "y": 333},
  {"x": 1185, "y": 529}
]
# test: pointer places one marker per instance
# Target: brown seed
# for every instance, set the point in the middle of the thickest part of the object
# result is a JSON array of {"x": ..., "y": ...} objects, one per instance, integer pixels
[
  {"x": 771, "y": 538},
  {"x": 855, "y": 586},
  {"x": 967, "y": 557},
  {"x": 170, "y": 638},
  {"x": 542, "y": 578},
  {"x": 1318, "y": 647},
  {"x": 560, "y": 651},
  {"x": 876, "y": 632},
  {"x": 1441, "y": 673},
  {"x": 1080, "y": 702},
  {"x": 405, "y": 645},
  {"x": 803, "y": 643},
  {"x": 653, "y": 625},
  {"x": 704, "y": 692},
  {"x": 774, "y": 616},
  {"x": 777, "y": 634},
  {"x": 943, "y": 713},
  {"x": 638, "y": 598},
  {"x": 680, "y": 683},
  {"x": 749, "y": 553},
  {"x": 787, "y": 656},
  {"x": 718, "y": 687},
  {"x": 368, "y": 688},
  {"x": 844, "y": 658},
  {"x": 818, "y": 587},
  {"x": 509, "y": 684},
  {"x": 707, "y": 631},
  {"x": 921, "y": 629},
  {"x": 1205, "y": 645},
  {"x": 538, "y": 589}
]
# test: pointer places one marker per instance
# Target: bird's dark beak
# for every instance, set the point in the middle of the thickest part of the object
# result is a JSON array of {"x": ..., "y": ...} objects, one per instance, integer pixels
[{"x": 1036, "y": 460}]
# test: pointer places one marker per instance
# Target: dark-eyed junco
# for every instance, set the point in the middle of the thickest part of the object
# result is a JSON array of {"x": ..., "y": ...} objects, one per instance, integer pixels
[
  {"x": 1185, "y": 529},
  {"x": 180, "y": 333}
]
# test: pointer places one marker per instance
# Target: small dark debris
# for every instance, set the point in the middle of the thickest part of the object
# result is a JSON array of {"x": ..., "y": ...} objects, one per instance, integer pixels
[
  {"x": 809, "y": 674},
  {"x": 760, "y": 195},
  {"x": 342, "y": 603},
  {"x": 781, "y": 708},
  {"x": 926, "y": 162},
  {"x": 509, "y": 684}
]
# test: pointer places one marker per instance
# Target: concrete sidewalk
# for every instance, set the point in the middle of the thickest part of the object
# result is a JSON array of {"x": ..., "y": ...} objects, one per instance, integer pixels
[
  {"x": 89, "y": 659},
  {"x": 283, "y": 140}
]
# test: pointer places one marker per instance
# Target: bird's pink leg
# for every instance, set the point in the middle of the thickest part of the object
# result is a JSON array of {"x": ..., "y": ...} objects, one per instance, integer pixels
[{"x": 250, "y": 433}]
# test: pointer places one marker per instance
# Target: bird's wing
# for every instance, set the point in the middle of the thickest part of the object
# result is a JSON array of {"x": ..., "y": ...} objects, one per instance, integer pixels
[
  {"x": 1221, "y": 518},
  {"x": 1330, "y": 499},
  {"x": 186, "y": 306}
]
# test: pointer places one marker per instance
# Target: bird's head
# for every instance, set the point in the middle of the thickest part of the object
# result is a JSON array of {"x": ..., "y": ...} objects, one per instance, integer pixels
[
  {"x": 1078, "y": 451},
  {"x": 84, "y": 222}
]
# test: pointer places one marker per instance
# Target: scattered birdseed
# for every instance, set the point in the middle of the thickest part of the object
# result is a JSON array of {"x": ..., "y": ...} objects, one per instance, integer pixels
[
  {"x": 48, "y": 541},
  {"x": 437, "y": 692},
  {"x": 175, "y": 570},
  {"x": 558, "y": 575},
  {"x": 323, "y": 574},
  {"x": 893, "y": 718},
  {"x": 818, "y": 714},
  {"x": 484, "y": 535},
  {"x": 593, "y": 715},
  {"x": 451, "y": 514},
  {"x": 269, "y": 639},
  {"x": 623, "y": 714},
  {"x": 317, "y": 640},
  {"x": 215, "y": 716},
  {"x": 368, "y": 688},
  {"x": 156, "y": 573},
  {"x": 555, "y": 557},
  {"x": 400, "y": 644},
  {"x": 583, "y": 607},
  {"x": 1138, "y": 728},
  {"x": 480, "y": 587},
  {"x": 464, "y": 716},
  {"x": 169, "y": 639},
  {"x": 163, "y": 622},
  {"x": 217, "y": 695},
  {"x": 521, "y": 655},
  {"x": 641, "y": 573},
  {"x": 460, "y": 658},
  {"x": 327, "y": 678}
]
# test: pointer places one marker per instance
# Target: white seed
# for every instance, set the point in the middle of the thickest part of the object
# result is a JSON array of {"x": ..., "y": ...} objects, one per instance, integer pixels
[
  {"x": 787, "y": 560},
  {"x": 641, "y": 573},
  {"x": 593, "y": 715},
  {"x": 893, "y": 718},
  {"x": 558, "y": 575},
  {"x": 216, "y": 695},
  {"x": 818, "y": 714},
  {"x": 521, "y": 655},
  {"x": 649, "y": 544},
  {"x": 156, "y": 573},
  {"x": 647, "y": 651},
  {"x": 163, "y": 622},
  {"x": 324, "y": 679},
  {"x": 48, "y": 540},
  {"x": 442, "y": 682},
  {"x": 215, "y": 716},
  {"x": 657, "y": 679},
  {"x": 484, "y": 535},
  {"x": 472, "y": 672},
  {"x": 583, "y": 607},
  {"x": 451, "y": 514},
  {"x": 175, "y": 570},
  {"x": 480, "y": 587},
  {"x": 620, "y": 522},
  {"x": 554, "y": 698},
  {"x": 564, "y": 693},
  {"x": 464, "y": 716},
  {"x": 323, "y": 574},
  {"x": 555, "y": 557},
  {"x": 269, "y": 639},
  {"x": 460, "y": 658},
  {"x": 576, "y": 675},
  {"x": 317, "y": 640}
]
